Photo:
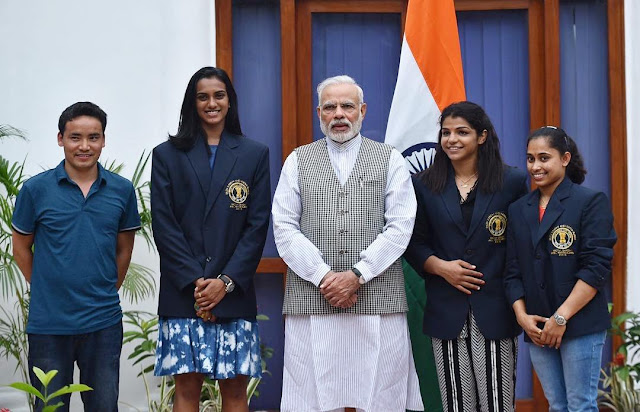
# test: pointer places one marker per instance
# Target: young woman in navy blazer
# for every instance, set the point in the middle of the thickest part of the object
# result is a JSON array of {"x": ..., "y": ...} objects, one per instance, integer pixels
[
  {"x": 210, "y": 203},
  {"x": 458, "y": 246},
  {"x": 560, "y": 245}
]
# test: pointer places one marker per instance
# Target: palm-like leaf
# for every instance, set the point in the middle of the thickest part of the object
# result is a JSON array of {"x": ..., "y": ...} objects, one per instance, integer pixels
[
  {"x": 13, "y": 339},
  {"x": 112, "y": 166},
  {"x": 10, "y": 131},
  {"x": 10, "y": 277},
  {"x": 618, "y": 393},
  {"x": 11, "y": 176},
  {"x": 142, "y": 191},
  {"x": 139, "y": 283}
]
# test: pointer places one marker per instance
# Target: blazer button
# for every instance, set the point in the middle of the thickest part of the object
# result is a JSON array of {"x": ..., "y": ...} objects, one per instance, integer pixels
[
  {"x": 208, "y": 259},
  {"x": 538, "y": 256},
  {"x": 542, "y": 286},
  {"x": 468, "y": 252}
]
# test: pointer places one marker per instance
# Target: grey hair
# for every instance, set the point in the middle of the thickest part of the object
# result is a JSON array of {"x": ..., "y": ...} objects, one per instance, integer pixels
[{"x": 343, "y": 79}]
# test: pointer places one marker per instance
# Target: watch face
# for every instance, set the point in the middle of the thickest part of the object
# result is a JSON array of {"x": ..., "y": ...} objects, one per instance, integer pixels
[
  {"x": 560, "y": 320},
  {"x": 228, "y": 283}
]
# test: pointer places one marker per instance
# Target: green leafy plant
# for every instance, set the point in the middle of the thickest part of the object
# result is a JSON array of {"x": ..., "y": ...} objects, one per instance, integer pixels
[
  {"x": 13, "y": 323},
  {"x": 142, "y": 330},
  {"x": 619, "y": 383},
  {"x": 45, "y": 379},
  {"x": 11, "y": 179}
]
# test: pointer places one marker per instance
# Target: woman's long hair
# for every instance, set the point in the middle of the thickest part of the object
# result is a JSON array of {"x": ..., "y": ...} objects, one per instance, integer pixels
[
  {"x": 490, "y": 165},
  {"x": 190, "y": 127},
  {"x": 558, "y": 139}
]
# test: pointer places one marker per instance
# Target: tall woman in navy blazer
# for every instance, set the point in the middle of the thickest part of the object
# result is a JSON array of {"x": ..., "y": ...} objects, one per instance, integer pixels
[
  {"x": 210, "y": 202},
  {"x": 458, "y": 246},
  {"x": 560, "y": 245}
]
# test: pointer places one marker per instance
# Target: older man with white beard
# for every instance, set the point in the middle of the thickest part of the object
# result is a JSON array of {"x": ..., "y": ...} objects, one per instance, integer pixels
[{"x": 343, "y": 214}]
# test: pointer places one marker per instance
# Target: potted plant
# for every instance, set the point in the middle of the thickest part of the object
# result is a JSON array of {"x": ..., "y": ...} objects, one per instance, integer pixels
[{"x": 620, "y": 382}]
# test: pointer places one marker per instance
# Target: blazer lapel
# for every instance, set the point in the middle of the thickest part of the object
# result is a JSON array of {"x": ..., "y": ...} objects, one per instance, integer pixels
[
  {"x": 480, "y": 206},
  {"x": 451, "y": 199},
  {"x": 199, "y": 158},
  {"x": 532, "y": 216},
  {"x": 554, "y": 208},
  {"x": 224, "y": 162}
]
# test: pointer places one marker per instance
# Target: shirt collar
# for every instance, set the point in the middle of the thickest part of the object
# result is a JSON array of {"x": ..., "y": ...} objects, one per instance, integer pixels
[
  {"x": 61, "y": 174},
  {"x": 346, "y": 146}
]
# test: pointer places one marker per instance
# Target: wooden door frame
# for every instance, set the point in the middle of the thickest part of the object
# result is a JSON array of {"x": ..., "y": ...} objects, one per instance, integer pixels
[{"x": 544, "y": 91}]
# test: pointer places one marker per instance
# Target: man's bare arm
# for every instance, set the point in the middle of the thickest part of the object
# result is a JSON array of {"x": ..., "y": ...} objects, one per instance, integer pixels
[
  {"x": 22, "y": 253},
  {"x": 124, "y": 248}
]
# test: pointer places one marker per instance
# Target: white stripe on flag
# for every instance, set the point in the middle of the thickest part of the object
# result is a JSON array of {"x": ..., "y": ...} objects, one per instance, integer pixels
[{"x": 414, "y": 114}]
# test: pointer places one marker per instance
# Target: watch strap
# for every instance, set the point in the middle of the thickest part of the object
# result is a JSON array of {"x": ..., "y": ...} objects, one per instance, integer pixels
[
  {"x": 361, "y": 279},
  {"x": 228, "y": 282}
]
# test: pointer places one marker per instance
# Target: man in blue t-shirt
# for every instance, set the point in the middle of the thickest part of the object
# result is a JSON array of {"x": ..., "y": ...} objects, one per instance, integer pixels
[{"x": 73, "y": 233}]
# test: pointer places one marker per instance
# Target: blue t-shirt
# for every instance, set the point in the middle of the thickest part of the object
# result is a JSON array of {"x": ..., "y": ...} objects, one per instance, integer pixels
[
  {"x": 74, "y": 275},
  {"x": 212, "y": 156}
]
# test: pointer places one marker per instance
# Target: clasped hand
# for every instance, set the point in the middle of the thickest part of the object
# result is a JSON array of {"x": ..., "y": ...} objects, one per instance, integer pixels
[
  {"x": 339, "y": 288},
  {"x": 529, "y": 323},
  {"x": 208, "y": 293},
  {"x": 461, "y": 275},
  {"x": 550, "y": 335}
]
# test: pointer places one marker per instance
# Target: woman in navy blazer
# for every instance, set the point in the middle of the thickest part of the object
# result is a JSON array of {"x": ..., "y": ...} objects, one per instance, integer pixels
[
  {"x": 560, "y": 246},
  {"x": 210, "y": 204},
  {"x": 458, "y": 246}
]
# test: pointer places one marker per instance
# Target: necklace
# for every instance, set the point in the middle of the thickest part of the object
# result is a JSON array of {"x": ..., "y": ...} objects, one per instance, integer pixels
[
  {"x": 543, "y": 205},
  {"x": 465, "y": 183}
]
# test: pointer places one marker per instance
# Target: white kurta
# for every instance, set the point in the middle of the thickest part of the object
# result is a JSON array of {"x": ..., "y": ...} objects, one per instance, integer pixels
[{"x": 346, "y": 360}]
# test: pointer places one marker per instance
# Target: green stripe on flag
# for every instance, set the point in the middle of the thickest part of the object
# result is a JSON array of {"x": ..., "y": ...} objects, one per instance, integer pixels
[{"x": 421, "y": 343}]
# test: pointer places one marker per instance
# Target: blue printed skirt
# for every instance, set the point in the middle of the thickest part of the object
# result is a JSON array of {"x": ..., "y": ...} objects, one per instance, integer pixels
[{"x": 218, "y": 350}]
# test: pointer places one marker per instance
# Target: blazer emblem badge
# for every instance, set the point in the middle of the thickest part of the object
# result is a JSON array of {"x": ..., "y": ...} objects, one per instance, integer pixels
[
  {"x": 238, "y": 191},
  {"x": 562, "y": 237},
  {"x": 496, "y": 225}
]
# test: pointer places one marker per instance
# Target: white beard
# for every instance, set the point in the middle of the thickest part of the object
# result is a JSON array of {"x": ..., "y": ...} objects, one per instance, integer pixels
[{"x": 354, "y": 129}]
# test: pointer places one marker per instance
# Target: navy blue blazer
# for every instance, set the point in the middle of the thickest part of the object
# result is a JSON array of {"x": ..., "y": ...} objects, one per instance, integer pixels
[
  {"x": 545, "y": 259},
  {"x": 440, "y": 230},
  {"x": 210, "y": 222}
]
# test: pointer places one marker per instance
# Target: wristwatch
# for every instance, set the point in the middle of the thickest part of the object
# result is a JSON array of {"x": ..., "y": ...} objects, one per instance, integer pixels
[
  {"x": 560, "y": 320},
  {"x": 229, "y": 286},
  {"x": 359, "y": 275}
]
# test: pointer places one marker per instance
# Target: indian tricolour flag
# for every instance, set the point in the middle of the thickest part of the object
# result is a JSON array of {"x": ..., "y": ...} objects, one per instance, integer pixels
[{"x": 429, "y": 78}]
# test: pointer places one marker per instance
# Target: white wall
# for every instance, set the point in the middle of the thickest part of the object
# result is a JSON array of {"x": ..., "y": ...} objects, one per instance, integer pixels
[
  {"x": 632, "y": 74},
  {"x": 132, "y": 58}
]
